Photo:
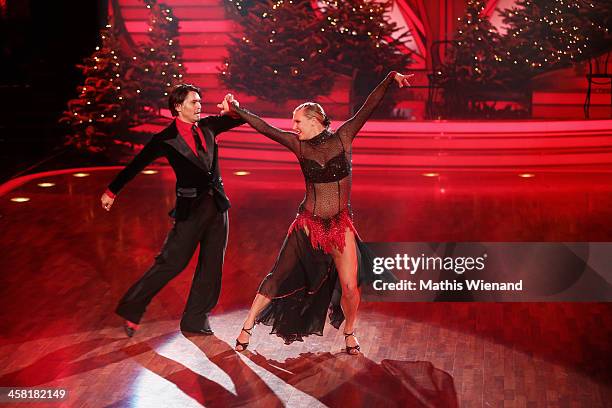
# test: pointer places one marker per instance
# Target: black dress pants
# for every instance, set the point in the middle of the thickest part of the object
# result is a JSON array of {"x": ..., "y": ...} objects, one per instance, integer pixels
[{"x": 204, "y": 226}]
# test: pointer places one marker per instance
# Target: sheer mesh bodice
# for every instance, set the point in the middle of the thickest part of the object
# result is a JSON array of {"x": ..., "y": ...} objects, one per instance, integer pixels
[
  {"x": 326, "y": 158},
  {"x": 326, "y": 166}
]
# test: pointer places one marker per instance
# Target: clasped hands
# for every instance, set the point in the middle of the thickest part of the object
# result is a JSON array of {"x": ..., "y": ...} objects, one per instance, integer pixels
[{"x": 226, "y": 105}]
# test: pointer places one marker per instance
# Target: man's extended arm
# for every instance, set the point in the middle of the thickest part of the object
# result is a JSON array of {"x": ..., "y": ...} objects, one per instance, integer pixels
[{"x": 150, "y": 152}]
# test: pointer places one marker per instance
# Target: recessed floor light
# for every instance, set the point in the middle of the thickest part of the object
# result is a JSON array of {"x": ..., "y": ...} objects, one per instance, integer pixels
[
  {"x": 526, "y": 175},
  {"x": 81, "y": 174},
  {"x": 149, "y": 172},
  {"x": 242, "y": 173},
  {"x": 20, "y": 199},
  {"x": 46, "y": 184},
  {"x": 430, "y": 174}
]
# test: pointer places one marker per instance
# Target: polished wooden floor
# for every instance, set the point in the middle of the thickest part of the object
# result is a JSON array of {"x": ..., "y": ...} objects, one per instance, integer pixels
[{"x": 65, "y": 262}]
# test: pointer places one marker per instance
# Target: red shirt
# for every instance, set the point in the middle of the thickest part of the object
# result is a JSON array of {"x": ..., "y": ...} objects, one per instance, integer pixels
[{"x": 184, "y": 130}]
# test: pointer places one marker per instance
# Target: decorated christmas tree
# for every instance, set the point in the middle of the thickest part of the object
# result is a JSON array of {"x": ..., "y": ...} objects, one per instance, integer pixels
[
  {"x": 124, "y": 87},
  {"x": 473, "y": 70},
  {"x": 158, "y": 65},
  {"x": 544, "y": 35},
  {"x": 298, "y": 51},
  {"x": 101, "y": 107},
  {"x": 361, "y": 36},
  {"x": 474, "y": 59},
  {"x": 363, "y": 44},
  {"x": 282, "y": 53}
]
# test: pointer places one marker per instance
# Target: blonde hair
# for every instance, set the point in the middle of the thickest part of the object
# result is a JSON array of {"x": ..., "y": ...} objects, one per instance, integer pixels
[{"x": 314, "y": 110}]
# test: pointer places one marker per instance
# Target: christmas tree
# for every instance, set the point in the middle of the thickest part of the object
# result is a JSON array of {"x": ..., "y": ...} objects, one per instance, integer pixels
[
  {"x": 299, "y": 51},
  {"x": 101, "y": 107},
  {"x": 281, "y": 55},
  {"x": 544, "y": 35},
  {"x": 360, "y": 36},
  {"x": 158, "y": 65},
  {"x": 473, "y": 59},
  {"x": 123, "y": 87},
  {"x": 363, "y": 44},
  {"x": 541, "y": 35}
]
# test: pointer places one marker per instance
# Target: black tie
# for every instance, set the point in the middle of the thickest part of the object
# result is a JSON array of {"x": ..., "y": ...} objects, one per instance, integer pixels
[{"x": 198, "y": 142}]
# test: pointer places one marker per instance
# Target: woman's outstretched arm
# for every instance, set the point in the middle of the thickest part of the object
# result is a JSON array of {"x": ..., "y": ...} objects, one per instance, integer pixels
[
  {"x": 348, "y": 130},
  {"x": 287, "y": 139}
]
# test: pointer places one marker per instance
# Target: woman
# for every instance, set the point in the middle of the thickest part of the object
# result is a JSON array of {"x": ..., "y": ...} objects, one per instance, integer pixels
[{"x": 322, "y": 244}]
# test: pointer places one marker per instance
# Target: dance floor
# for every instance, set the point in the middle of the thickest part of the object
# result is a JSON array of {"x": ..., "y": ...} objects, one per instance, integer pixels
[{"x": 65, "y": 262}]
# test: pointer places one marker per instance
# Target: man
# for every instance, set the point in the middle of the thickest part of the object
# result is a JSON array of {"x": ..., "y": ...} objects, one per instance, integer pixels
[{"x": 200, "y": 213}]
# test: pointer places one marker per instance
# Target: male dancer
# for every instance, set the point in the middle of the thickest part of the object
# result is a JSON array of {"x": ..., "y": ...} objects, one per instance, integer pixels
[{"x": 200, "y": 213}]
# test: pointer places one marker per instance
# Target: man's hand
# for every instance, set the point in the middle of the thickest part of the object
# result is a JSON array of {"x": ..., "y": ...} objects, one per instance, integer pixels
[
  {"x": 107, "y": 201},
  {"x": 226, "y": 105},
  {"x": 402, "y": 80}
]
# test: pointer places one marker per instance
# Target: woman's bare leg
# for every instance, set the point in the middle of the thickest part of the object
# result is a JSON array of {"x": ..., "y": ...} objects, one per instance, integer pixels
[
  {"x": 259, "y": 303},
  {"x": 346, "y": 265}
]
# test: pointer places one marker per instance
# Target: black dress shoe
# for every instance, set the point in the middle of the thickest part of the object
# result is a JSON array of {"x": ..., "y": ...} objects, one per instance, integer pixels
[{"x": 203, "y": 331}]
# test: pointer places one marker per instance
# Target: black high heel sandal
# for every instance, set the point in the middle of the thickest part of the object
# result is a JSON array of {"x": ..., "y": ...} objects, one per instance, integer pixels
[
  {"x": 349, "y": 349},
  {"x": 244, "y": 345}
]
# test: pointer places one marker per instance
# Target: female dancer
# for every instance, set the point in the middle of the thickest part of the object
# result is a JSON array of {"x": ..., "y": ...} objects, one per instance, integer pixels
[{"x": 322, "y": 244}]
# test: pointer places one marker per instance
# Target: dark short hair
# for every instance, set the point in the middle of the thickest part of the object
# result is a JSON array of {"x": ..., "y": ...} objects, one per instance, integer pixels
[{"x": 178, "y": 95}]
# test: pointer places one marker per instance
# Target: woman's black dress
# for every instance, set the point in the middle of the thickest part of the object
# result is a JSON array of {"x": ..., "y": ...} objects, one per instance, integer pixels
[{"x": 303, "y": 284}]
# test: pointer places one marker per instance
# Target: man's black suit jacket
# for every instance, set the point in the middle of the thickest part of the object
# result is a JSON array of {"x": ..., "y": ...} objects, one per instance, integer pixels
[{"x": 195, "y": 175}]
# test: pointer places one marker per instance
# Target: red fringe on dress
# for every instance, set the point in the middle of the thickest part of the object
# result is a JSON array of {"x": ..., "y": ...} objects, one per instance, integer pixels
[{"x": 325, "y": 233}]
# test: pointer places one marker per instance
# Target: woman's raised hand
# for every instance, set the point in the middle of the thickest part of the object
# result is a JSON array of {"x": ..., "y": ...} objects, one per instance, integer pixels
[
  {"x": 402, "y": 80},
  {"x": 225, "y": 104}
]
